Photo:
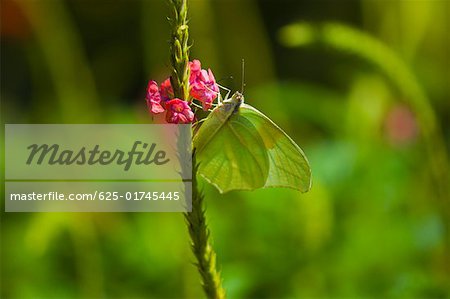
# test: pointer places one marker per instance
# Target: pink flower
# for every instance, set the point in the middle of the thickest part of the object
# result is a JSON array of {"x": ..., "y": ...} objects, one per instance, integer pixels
[
  {"x": 153, "y": 98},
  {"x": 178, "y": 112},
  {"x": 195, "y": 66},
  {"x": 166, "y": 91},
  {"x": 203, "y": 85}
]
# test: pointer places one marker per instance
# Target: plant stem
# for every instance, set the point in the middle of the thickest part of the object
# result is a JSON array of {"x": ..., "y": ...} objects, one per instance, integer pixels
[
  {"x": 195, "y": 220},
  {"x": 201, "y": 247}
]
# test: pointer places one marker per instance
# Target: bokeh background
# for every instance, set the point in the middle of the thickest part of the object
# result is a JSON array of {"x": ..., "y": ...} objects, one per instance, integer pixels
[{"x": 362, "y": 86}]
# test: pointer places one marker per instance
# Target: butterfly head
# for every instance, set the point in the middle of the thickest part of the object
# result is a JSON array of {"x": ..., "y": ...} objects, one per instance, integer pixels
[
  {"x": 231, "y": 105},
  {"x": 236, "y": 100}
]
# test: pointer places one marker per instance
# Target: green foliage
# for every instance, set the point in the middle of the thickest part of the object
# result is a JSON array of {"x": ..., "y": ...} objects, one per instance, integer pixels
[{"x": 355, "y": 42}]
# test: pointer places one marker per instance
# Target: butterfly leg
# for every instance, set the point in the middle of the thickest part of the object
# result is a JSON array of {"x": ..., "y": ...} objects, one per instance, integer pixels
[
  {"x": 227, "y": 90},
  {"x": 196, "y": 105}
]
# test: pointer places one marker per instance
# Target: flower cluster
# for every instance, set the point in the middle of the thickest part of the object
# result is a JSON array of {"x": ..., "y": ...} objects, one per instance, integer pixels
[{"x": 202, "y": 87}]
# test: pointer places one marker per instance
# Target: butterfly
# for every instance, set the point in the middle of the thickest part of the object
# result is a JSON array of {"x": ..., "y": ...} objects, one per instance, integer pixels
[{"x": 239, "y": 148}]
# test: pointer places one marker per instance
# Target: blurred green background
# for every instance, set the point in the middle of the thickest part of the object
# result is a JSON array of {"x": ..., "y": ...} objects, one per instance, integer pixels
[{"x": 362, "y": 86}]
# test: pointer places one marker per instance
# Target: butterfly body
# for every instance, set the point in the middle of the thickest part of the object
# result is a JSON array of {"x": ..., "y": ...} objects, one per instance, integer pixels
[{"x": 239, "y": 148}]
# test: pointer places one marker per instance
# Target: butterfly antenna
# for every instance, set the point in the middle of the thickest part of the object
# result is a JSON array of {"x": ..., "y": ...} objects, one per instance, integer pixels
[{"x": 243, "y": 77}]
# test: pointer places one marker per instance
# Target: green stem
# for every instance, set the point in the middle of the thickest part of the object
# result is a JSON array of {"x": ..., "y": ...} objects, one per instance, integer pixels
[
  {"x": 179, "y": 50},
  {"x": 195, "y": 220},
  {"x": 201, "y": 245}
]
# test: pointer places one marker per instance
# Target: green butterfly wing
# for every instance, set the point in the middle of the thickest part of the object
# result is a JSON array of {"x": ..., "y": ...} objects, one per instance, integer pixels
[
  {"x": 245, "y": 150},
  {"x": 231, "y": 153},
  {"x": 288, "y": 165}
]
